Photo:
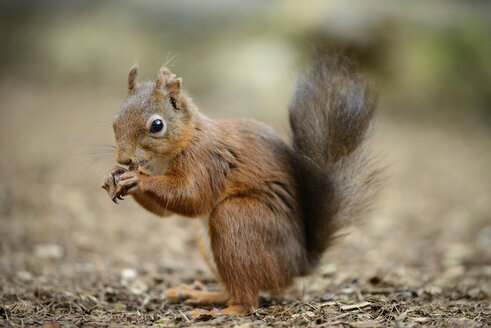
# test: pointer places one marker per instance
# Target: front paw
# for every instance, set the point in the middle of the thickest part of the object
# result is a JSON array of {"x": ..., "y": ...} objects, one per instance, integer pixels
[
  {"x": 111, "y": 180},
  {"x": 129, "y": 183}
]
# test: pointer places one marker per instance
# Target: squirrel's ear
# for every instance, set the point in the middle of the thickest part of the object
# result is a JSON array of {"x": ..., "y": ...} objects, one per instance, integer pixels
[
  {"x": 167, "y": 83},
  {"x": 133, "y": 79}
]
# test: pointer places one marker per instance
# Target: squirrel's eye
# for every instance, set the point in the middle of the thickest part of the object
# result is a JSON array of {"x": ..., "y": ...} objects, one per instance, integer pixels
[{"x": 156, "y": 126}]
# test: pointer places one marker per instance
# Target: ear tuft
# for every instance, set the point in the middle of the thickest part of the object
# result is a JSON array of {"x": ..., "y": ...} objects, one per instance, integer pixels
[
  {"x": 133, "y": 79},
  {"x": 167, "y": 82}
]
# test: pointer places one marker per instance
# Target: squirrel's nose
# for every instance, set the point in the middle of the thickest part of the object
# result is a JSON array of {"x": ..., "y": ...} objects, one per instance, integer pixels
[{"x": 123, "y": 160}]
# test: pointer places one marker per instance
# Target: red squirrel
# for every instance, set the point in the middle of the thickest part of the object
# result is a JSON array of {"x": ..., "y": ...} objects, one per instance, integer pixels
[{"x": 266, "y": 210}]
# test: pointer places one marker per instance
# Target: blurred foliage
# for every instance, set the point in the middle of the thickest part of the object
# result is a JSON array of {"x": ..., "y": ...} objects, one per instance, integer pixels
[{"x": 430, "y": 61}]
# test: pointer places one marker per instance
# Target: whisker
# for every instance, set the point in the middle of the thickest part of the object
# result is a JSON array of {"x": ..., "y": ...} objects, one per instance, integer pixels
[
  {"x": 168, "y": 60},
  {"x": 90, "y": 152},
  {"x": 96, "y": 149},
  {"x": 99, "y": 161},
  {"x": 103, "y": 145},
  {"x": 98, "y": 156},
  {"x": 99, "y": 151}
]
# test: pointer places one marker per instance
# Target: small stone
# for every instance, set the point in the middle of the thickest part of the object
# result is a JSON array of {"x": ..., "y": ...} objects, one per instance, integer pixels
[
  {"x": 433, "y": 290},
  {"x": 474, "y": 292},
  {"x": 347, "y": 291},
  {"x": 129, "y": 279},
  {"x": 109, "y": 290},
  {"x": 327, "y": 297},
  {"x": 138, "y": 287},
  {"x": 25, "y": 276},
  {"x": 128, "y": 275},
  {"x": 49, "y": 251}
]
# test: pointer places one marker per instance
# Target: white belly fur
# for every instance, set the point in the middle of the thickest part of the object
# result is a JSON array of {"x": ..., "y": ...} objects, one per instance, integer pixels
[{"x": 157, "y": 167}]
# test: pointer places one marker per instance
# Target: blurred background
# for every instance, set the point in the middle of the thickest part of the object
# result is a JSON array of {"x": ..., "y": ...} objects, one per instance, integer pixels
[{"x": 63, "y": 71}]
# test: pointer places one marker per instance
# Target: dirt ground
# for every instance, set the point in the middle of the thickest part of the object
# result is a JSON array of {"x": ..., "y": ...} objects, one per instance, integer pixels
[{"x": 70, "y": 257}]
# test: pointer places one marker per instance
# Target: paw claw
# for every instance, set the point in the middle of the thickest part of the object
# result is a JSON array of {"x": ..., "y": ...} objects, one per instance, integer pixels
[
  {"x": 216, "y": 311},
  {"x": 180, "y": 295},
  {"x": 197, "y": 313},
  {"x": 114, "y": 200}
]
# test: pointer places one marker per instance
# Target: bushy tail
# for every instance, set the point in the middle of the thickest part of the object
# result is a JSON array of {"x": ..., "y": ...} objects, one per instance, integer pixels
[{"x": 330, "y": 114}]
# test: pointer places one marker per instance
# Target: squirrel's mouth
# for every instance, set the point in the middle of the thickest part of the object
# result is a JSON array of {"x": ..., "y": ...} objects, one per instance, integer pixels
[
  {"x": 143, "y": 164},
  {"x": 140, "y": 165}
]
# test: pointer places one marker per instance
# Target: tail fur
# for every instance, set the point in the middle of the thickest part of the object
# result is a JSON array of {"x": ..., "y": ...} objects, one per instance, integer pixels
[{"x": 330, "y": 114}]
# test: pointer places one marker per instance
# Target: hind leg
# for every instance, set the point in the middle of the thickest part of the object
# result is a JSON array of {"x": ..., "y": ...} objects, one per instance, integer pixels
[
  {"x": 195, "y": 294},
  {"x": 256, "y": 246}
]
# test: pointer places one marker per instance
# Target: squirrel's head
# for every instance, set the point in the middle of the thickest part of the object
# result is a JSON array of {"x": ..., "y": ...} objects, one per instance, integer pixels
[{"x": 155, "y": 121}]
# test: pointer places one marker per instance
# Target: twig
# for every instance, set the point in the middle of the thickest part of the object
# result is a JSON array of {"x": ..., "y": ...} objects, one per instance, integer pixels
[
  {"x": 355, "y": 306},
  {"x": 184, "y": 316}
]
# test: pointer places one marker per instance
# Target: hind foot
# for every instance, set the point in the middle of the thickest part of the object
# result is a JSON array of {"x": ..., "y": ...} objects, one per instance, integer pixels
[{"x": 195, "y": 294}]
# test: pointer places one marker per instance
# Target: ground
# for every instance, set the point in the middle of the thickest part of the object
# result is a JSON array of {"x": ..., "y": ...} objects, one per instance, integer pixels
[{"x": 70, "y": 257}]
